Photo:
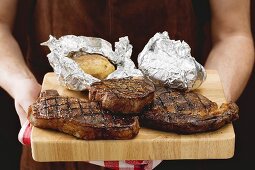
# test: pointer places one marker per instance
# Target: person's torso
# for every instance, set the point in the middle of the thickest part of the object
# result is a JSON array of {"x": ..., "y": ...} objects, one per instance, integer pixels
[{"x": 108, "y": 19}]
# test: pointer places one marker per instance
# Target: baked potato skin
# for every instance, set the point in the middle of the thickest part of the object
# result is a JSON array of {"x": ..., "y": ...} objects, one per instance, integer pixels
[{"x": 95, "y": 65}]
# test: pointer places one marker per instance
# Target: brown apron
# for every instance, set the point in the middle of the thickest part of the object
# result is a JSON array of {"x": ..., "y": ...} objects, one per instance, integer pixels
[{"x": 108, "y": 19}]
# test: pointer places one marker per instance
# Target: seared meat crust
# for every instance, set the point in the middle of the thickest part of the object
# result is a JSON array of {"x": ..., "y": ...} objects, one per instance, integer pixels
[
  {"x": 127, "y": 95},
  {"x": 80, "y": 118},
  {"x": 186, "y": 112}
]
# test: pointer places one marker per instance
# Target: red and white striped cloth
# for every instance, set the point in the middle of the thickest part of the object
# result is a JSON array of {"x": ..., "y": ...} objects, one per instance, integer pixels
[{"x": 24, "y": 138}]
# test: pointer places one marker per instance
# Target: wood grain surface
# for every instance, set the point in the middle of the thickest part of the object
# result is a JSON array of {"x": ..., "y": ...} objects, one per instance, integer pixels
[{"x": 50, "y": 146}]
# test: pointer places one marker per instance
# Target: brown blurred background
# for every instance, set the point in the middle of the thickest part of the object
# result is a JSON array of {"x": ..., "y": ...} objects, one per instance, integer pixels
[{"x": 245, "y": 142}]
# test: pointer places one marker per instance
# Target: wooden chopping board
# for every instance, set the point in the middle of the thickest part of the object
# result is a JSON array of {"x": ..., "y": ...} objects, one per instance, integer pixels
[{"x": 49, "y": 145}]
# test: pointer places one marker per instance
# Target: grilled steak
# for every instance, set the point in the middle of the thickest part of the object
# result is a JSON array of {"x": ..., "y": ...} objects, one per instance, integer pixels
[
  {"x": 186, "y": 112},
  {"x": 127, "y": 95},
  {"x": 80, "y": 118}
]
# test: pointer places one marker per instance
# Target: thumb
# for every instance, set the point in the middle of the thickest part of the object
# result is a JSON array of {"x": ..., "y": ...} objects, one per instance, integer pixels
[
  {"x": 21, "y": 113},
  {"x": 25, "y": 105},
  {"x": 22, "y": 109}
]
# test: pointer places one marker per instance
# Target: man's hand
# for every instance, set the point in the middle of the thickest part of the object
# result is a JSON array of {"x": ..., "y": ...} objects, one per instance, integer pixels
[
  {"x": 25, "y": 92},
  {"x": 15, "y": 76}
]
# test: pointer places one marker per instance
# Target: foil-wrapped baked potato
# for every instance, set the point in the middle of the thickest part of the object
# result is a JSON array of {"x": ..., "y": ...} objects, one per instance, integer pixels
[{"x": 94, "y": 64}]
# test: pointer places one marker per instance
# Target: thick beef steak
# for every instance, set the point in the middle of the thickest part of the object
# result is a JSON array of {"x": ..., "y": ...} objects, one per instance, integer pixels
[
  {"x": 80, "y": 118},
  {"x": 126, "y": 95},
  {"x": 186, "y": 112}
]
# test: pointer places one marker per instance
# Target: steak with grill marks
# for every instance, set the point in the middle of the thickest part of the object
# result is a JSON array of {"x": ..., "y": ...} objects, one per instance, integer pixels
[
  {"x": 186, "y": 112},
  {"x": 80, "y": 118},
  {"x": 126, "y": 95}
]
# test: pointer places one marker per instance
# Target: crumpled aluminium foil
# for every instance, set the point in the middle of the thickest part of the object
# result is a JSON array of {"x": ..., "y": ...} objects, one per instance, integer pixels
[
  {"x": 170, "y": 62},
  {"x": 125, "y": 67},
  {"x": 70, "y": 75}
]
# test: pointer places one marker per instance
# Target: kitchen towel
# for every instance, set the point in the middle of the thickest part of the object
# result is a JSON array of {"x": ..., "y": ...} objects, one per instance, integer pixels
[{"x": 24, "y": 137}]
